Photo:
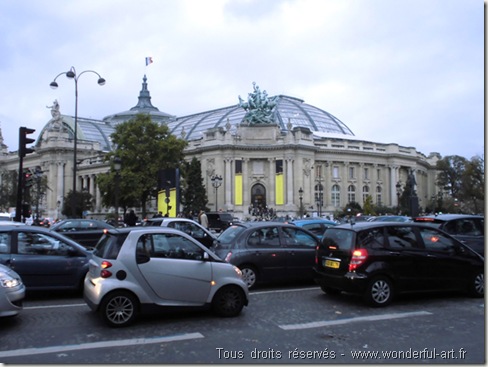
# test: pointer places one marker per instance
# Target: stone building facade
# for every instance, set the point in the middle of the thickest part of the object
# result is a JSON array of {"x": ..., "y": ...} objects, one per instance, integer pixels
[{"x": 301, "y": 157}]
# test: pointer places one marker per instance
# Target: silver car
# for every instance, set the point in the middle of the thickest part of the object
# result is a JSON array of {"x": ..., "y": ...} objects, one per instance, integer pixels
[
  {"x": 12, "y": 292},
  {"x": 134, "y": 269}
]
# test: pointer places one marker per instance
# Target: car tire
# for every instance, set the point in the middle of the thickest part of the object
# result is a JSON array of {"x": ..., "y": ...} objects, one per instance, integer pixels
[
  {"x": 249, "y": 275},
  {"x": 119, "y": 309},
  {"x": 330, "y": 291},
  {"x": 228, "y": 301},
  {"x": 379, "y": 292},
  {"x": 477, "y": 285}
]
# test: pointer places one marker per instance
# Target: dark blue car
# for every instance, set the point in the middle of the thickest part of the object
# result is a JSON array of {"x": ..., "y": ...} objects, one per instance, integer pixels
[{"x": 45, "y": 260}]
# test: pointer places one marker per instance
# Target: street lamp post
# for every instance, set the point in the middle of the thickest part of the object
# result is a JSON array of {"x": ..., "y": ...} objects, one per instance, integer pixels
[
  {"x": 117, "y": 168},
  {"x": 71, "y": 74},
  {"x": 38, "y": 175},
  {"x": 300, "y": 196},
  {"x": 216, "y": 182}
]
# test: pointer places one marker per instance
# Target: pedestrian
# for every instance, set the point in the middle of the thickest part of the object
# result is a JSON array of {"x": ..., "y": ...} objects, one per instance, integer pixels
[
  {"x": 202, "y": 218},
  {"x": 131, "y": 219}
]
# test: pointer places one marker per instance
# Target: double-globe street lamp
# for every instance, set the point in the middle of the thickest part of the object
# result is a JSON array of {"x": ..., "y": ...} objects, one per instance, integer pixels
[
  {"x": 216, "y": 182},
  {"x": 71, "y": 74}
]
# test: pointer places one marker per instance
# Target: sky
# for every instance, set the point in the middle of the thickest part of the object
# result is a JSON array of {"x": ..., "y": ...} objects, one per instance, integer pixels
[{"x": 407, "y": 72}]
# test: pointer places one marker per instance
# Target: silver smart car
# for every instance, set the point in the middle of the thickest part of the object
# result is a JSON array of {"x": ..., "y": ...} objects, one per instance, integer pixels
[
  {"x": 12, "y": 292},
  {"x": 137, "y": 269}
]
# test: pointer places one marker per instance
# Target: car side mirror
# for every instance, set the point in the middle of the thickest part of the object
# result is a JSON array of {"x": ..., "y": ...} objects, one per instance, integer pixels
[{"x": 206, "y": 256}]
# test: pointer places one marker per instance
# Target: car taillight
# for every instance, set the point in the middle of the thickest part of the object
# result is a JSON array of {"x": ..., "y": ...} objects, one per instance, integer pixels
[
  {"x": 359, "y": 256},
  {"x": 105, "y": 273}
]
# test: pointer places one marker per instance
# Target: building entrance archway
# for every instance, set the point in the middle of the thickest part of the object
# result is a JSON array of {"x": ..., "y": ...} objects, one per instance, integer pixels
[{"x": 258, "y": 200}]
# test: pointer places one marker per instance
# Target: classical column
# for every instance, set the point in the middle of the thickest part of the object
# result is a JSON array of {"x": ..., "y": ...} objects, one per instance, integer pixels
[
  {"x": 228, "y": 182},
  {"x": 271, "y": 183},
  {"x": 289, "y": 181},
  {"x": 393, "y": 181},
  {"x": 246, "y": 198}
]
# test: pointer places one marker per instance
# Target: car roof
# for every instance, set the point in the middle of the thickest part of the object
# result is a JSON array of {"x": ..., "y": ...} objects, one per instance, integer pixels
[
  {"x": 447, "y": 217},
  {"x": 143, "y": 229},
  {"x": 259, "y": 224},
  {"x": 312, "y": 220},
  {"x": 365, "y": 225}
]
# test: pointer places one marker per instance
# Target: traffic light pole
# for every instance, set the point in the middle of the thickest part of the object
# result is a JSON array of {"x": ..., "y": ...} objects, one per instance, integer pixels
[
  {"x": 24, "y": 140},
  {"x": 20, "y": 185}
]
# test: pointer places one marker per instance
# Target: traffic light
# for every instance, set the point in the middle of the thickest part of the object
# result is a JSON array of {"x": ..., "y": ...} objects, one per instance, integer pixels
[
  {"x": 24, "y": 140},
  {"x": 28, "y": 178}
]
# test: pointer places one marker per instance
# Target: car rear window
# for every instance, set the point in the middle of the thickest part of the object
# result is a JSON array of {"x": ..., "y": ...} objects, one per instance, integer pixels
[
  {"x": 338, "y": 239},
  {"x": 228, "y": 236},
  {"x": 109, "y": 245}
]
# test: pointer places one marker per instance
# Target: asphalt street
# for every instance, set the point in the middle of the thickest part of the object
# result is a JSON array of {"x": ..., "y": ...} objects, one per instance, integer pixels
[{"x": 282, "y": 325}]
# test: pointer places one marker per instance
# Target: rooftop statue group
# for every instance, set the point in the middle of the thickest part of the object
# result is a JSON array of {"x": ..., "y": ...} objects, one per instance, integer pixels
[{"x": 259, "y": 107}]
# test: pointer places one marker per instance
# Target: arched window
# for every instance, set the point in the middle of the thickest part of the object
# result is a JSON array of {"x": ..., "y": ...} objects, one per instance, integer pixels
[
  {"x": 336, "y": 196},
  {"x": 351, "y": 194}
]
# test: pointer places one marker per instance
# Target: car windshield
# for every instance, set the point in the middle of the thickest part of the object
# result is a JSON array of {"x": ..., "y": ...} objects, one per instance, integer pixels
[
  {"x": 338, "y": 239},
  {"x": 109, "y": 245},
  {"x": 228, "y": 236}
]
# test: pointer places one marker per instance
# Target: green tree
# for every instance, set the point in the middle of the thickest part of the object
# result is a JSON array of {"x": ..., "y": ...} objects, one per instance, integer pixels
[
  {"x": 194, "y": 196},
  {"x": 144, "y": 147},
  {"x": 84, "y": 202},
  {"x": 461, "y": 183},
  {"x": 8, "y": 189},
  {"x": 451, "y": 171},
  {"x": 368, "y": 206},
  {"x": 473, "y": 186}
]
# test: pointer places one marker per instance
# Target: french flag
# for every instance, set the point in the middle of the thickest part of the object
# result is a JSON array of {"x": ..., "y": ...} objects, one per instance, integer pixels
[{"x": 149, "y": 60}]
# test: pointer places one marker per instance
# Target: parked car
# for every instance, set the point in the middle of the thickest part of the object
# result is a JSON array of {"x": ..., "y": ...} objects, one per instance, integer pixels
[
  {"x": 191, "y": 227},
  {"x": 469, "y": 229},
  {"x": 45, "y": 260},
  {"x": 86, "y": 232},
  {"x": 136, "y": 269},
  {"x": 315, "y": 225},
  {"x": 382, "y": 259},
  {"x": 219, "y": 221},
  {"x": 268, "y": 251},
  {"x": 12, "y": 292}
]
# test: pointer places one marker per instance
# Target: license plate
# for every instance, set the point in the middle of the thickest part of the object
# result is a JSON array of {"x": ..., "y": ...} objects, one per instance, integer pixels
[{"x": 332, "y": 264}]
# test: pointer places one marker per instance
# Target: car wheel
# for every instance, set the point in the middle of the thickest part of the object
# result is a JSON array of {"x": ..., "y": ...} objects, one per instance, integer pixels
[
  {"x": 249, "y": 275},
  {"x": 228, "y": 301},
  {"x": 330, "y": 291},
  {"x": 119, "y": 309},
  {"x": 379, "y": 292},
  {"x": 477, "y": 286}
]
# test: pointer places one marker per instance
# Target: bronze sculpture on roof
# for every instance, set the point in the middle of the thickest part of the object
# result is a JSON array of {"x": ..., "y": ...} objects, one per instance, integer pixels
[{"x": 259, "y": 107}]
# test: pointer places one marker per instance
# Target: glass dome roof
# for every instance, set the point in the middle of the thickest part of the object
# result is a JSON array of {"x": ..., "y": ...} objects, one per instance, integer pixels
[{"x": 287, "y": 110}]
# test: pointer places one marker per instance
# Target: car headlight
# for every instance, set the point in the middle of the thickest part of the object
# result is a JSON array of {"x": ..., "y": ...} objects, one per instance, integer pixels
[
  {"x": 238, "y": 271},
  {"x": 7, "y": 281}
]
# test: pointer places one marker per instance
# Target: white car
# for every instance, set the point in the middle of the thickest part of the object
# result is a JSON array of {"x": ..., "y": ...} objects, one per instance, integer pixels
[
  {"x": 12, "y": 292},
  {"x": 135, "y": 269}
]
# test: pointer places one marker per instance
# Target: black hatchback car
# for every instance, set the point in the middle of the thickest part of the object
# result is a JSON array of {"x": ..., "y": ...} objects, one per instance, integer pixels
[
  {"x": 268, "y": 251},
  {"x": 469, "y": 229},
  {"x": 86, "y": 232},
  {"x": 379, "y": 260}
]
